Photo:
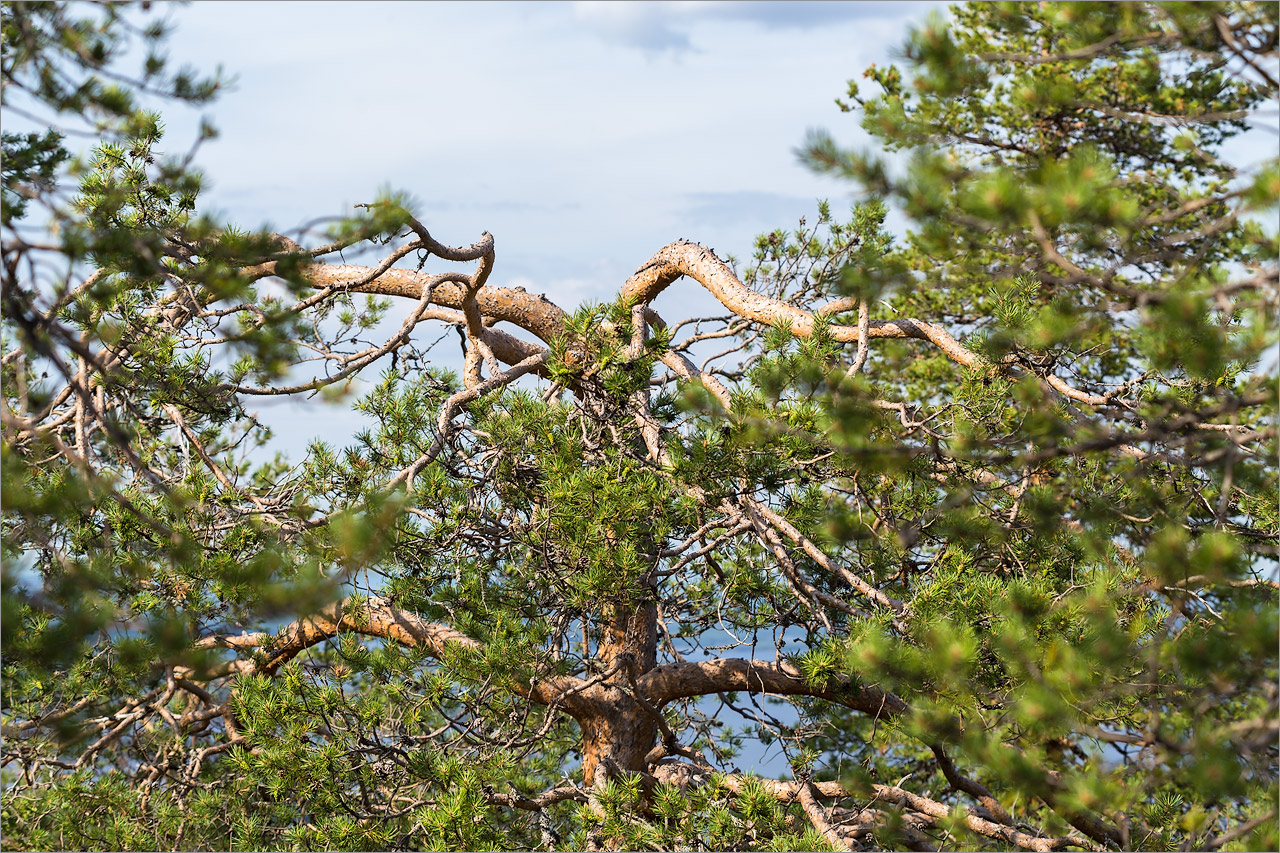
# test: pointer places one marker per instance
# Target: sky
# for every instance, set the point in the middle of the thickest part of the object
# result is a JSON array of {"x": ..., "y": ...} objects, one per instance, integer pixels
[{"x": 584, "y": 136}]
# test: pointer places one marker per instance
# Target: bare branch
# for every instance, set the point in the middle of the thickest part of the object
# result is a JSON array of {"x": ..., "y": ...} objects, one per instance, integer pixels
[
  {"x": 687, "y": 679},
  {"x": 375, "y": 617}
]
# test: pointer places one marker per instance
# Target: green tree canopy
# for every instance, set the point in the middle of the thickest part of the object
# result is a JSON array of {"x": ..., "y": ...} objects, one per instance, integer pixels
[{"x": 978, "y": 527}]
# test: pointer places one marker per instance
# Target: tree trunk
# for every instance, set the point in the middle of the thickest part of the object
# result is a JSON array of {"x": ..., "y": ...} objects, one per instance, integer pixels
[
  {"x": 617, "y": 730},
  {"x": 617, "y": 738}
]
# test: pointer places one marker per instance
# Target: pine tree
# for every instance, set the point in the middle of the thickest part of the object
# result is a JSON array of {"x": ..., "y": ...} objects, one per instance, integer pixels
[{"x": 977, "y": 527}]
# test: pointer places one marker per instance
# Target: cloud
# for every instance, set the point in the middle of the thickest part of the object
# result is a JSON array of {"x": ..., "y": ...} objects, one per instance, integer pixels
[
  {"x": 803, "y": 14},
  {"x": 760, "y": 209},
  {"x": 503, "y": 205},
  {"x": 641, "y": 25},
  {"x": 567, "y": 292},
  {"x": 661, "y": 27}
]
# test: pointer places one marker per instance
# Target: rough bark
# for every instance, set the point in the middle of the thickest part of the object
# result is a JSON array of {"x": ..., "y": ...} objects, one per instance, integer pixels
[
  {"x": 374, "y": 617},
  {"x": 617, "y": 729},
  {"x": 683, "y": 258},
  {"x": 687, "y": 679},
  {"x": 794, "y": 791},
  {"x": 538, "y": 315}
]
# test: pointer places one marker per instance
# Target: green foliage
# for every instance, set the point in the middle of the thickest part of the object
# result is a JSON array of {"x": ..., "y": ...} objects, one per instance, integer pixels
[
  {"x": 1061, "y": 217},
  {"x": 1012, "y": 541}
]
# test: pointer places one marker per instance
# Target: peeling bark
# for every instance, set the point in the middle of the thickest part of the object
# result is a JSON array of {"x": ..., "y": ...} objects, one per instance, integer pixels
[
  {"x": 697, "y": 262},
  {"x": 617, "y": 730},
  {"x": 538, "y": 315},
  {"x": 673, "y": 681},
  {"x": 374, "y": 617}
]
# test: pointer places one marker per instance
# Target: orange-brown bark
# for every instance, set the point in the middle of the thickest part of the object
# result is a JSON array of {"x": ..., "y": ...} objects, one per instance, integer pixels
[
  {"x": 374, "y": 617},
  {"x": 536, "y": 314},
  {"x": 687, "y": 679},
  {"x": 894, "y": 795},
  {"x": 683, "y": 258},
  {"x": 619, "y": 731}
]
